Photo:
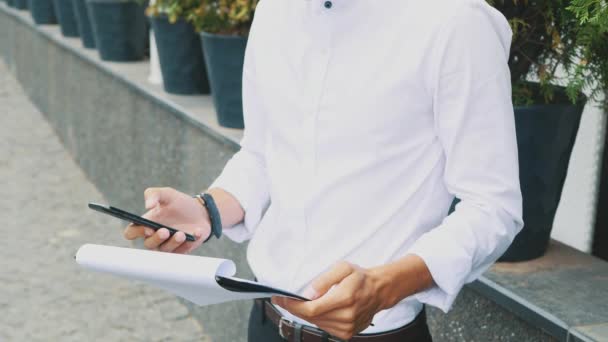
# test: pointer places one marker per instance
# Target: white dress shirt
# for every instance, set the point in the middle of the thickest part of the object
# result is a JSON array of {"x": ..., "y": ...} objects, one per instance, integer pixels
[{"x": 363, "y": 120}]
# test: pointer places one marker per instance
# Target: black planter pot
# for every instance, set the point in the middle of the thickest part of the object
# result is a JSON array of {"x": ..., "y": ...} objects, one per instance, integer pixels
[
  {"x": 224, "y": 57},
  {"x": 43, "y": 11},
  {"x": 20, "y": 4},
  {"x": 545, "y": 137},
  {"x": 84, "y": 24},
  {"x": 147, "y": 39},
  {"x": 66, "y": 17},
  {"x": 180, "y": 56},
  {"x": 119, "y": 28}
]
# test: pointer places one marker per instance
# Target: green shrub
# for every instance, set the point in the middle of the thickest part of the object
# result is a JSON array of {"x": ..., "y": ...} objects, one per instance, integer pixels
[
  {"x": 230, "y": 17},
  {"x": 556, "y": 44}
]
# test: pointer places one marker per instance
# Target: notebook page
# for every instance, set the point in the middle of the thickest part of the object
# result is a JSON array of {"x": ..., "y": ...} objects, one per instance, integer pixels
[{"x": 187, "y": 276}]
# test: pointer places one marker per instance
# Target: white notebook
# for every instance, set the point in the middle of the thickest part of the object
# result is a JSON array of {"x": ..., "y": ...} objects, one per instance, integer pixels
[{"x": 201, "y": 280}]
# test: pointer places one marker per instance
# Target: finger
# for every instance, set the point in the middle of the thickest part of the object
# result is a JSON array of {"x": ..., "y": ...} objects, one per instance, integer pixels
[
  {"x": 172, "y": 243},
  {"x": 319, "y": 287},
  {"x": 334, "y": 328},
  {"x": 307, "y": 310},
  {"x": 156, "y": 239},
  {"x": 325, "y": 281},
  {"x": 185, "y": 248},
  {"x": 336, "y": 310},
  {"x": 341, "y": 315},
  {"x": 331, "y": 325},
  {"x": 277, "y": 300},
  {"x": 152, "y": 214},
  {"x": 188, "y": 247},
  {"x": 343, "y": 330},
  {"x": 155, "y": 196},
  {"x": 133, "y": 232},
  {"x": 342, "y": 296},
  {"x": 151, "y": 197}
]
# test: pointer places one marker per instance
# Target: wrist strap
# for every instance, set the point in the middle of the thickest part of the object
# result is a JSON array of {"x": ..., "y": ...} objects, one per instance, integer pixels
[
  {"x": 202, "y": 202},
  {"x": 214, "y": 214}
]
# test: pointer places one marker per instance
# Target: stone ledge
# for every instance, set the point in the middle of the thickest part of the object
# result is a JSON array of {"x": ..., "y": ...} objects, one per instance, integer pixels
[
  {"x": 565, "y": 292},
  {"x": 169, "y": 135},
  {"x": 197, "y": 109}
]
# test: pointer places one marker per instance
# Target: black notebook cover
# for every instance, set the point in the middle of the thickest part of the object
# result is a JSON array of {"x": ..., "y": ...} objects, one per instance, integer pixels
[{"x": 243, "y": 285}]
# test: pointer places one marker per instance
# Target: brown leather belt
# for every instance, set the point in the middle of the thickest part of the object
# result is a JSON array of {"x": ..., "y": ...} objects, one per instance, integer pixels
[{"x": 417, "y": 330}]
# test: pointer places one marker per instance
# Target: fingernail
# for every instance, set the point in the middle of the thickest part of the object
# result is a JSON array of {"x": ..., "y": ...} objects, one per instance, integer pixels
[
  {"x": 150, "y": 203},
  {"x": 310, "y": 293},
  {"x": 198, "y": 233},
  {"x": 148, "y": 232},
  {"x": 163, "y": 233},
  {"x": 180, "y": 237}
]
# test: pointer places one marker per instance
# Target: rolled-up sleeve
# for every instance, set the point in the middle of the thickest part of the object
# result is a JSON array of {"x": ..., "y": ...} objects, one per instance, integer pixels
[
  {"x": 245, "y": 176},
  {"x": 475, "y": 125}
]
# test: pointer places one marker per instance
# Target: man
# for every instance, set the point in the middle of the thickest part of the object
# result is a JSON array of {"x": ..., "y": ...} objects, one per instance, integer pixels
[{"x": 364, "y": 119}]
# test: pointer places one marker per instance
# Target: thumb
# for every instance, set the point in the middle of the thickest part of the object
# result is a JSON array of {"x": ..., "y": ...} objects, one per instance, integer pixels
[
  {"x": 154, "y": 196},
  {"x": 325, "y": 281}
]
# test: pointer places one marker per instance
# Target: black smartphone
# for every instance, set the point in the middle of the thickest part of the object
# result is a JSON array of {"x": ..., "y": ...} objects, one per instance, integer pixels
[{"x": 136, "y": 219}]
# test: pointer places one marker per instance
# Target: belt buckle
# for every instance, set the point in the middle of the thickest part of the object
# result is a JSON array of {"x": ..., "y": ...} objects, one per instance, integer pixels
[{"x": 282, "y": 321}]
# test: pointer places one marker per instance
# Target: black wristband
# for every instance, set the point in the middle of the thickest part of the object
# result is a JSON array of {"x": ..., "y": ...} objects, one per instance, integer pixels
[
  {"x": 209, "y": 237},
  {"x": 214, "y": 215}
]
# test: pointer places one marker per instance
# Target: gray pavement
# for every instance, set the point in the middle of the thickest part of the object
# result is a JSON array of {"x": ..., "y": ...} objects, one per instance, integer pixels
[{"x": 44, "y": 295}]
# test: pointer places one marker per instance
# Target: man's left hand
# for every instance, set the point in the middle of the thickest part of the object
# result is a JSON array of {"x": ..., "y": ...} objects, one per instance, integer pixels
[{"x": 346, "y": 309}]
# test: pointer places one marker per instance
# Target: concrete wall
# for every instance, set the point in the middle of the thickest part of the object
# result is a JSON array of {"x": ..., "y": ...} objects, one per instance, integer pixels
[{"x": 575, "y": 216}]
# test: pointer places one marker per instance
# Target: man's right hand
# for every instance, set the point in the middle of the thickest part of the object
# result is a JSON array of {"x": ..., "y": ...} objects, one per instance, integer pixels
[{"x": 174, "y": 209}]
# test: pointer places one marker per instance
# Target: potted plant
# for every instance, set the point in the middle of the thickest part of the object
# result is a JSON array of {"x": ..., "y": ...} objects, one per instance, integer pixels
[
  {"x": 66, "y": 17},
  {"x": 178, "y": 46},
  {"x": 42, "y": 12},
  {"x": 550, "y": 67},
  {"x": 592, "y": 36},
  {"x": 225, "y": 25},
  {"x": 20, "y": 4},
  {"x": 84, "y": 23},
  {"x": 119, "y": 29}
]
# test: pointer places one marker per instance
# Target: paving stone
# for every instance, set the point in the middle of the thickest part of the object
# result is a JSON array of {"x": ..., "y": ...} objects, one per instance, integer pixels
[{"x": 44, "y": 295}]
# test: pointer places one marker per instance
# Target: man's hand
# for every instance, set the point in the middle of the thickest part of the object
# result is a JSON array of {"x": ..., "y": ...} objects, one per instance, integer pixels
[
  {"x": 346, "y": 298},
  {"x": 345, "y": 310},
  {"x": 174, "y": 209}
]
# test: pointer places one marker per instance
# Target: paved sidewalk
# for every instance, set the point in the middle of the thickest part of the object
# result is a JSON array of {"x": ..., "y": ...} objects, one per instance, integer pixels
[{"x": 44, "y": 295}]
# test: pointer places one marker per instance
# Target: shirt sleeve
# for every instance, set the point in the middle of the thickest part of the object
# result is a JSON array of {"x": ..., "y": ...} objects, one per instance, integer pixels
[
  {"x": 245, "y": 176},
  {"x": 474, "y": 122}
]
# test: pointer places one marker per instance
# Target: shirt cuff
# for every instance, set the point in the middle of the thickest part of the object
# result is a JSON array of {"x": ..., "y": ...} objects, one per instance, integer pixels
[
  {"x": 448, "y": 264},
  {"x": 253, "y": 198}
]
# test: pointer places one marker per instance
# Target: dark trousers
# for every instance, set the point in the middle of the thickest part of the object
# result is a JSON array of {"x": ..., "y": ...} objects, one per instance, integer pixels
[{"x": 262, "y": 330}]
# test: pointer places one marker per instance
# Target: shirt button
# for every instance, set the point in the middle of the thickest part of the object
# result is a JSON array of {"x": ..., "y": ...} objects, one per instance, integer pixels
[{"x": 327, "y": 4}]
